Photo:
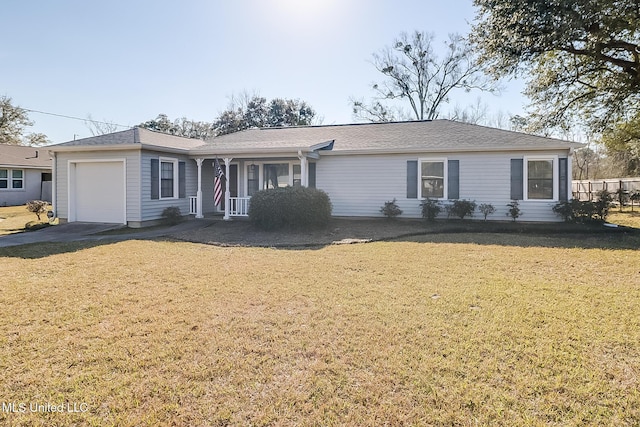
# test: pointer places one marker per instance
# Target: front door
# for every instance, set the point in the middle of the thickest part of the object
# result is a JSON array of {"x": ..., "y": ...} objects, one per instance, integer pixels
[{"x": 233, "y": 182}]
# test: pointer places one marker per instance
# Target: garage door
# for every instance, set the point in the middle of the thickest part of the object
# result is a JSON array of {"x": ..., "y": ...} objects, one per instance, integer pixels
[{"x": 99, "y": 192}]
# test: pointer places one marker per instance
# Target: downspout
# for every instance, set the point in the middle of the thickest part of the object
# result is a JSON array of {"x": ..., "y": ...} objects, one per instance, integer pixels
[{"x": 54, "y": 186}]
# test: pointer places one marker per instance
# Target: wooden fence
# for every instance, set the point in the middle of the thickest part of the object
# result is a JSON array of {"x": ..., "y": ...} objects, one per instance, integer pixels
[{"x": 588, "y": 188}]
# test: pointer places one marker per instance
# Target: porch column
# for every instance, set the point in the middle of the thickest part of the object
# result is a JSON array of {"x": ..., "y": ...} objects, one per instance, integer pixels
[
  {"x": 227, "y": 194},
  {"x": 199, "y": 192},
  {"x": 304, "y": 176}
]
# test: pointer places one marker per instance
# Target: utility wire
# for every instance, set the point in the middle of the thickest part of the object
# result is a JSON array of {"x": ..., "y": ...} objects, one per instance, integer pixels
[{"x": 76, "y": 118}]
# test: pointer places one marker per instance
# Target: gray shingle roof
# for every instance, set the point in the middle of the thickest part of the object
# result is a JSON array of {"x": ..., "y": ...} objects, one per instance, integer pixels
[
  {"x": 134, "y": 136},
  {"x": 436, "y": 135},
  {"x": 418, "y": 136},
  {"x": 23, "y": 156}
]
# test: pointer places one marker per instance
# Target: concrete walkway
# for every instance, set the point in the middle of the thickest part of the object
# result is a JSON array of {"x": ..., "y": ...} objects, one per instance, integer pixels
[{"x": 85, "y": 231}]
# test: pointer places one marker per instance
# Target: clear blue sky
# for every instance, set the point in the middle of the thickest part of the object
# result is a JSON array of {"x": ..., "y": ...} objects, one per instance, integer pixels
[{"x": 127, "y": 61}]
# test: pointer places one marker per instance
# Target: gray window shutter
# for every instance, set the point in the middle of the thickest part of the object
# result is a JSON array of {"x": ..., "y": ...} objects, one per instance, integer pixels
[
  {"x": 517, "y": 180},
  {"x": 453, "y": 176},
  {"x": 563, "y": 179},
  {"x": 312, "y": 175},
  {"x": 412, "y": 179},
  {"x": 182, "y": 184},
  {"x": 155, "y": 179}
]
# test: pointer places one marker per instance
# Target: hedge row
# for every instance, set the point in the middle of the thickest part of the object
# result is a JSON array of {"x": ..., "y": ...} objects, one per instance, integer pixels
[{"x": 290, "y": 207}]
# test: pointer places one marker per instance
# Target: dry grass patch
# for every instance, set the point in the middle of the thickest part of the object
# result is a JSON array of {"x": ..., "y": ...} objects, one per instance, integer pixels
[
  {"x": 627, "y": 217},
  {"x": 395, "y": 333},
  {"x": 14, "y": 218}
]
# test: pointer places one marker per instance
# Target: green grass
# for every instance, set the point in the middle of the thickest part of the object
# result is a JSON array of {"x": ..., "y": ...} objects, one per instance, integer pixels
[{"x": 510, "y": 330}]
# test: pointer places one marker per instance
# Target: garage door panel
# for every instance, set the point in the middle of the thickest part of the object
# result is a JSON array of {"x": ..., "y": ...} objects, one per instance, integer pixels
[{"x": 99, "y": 192}]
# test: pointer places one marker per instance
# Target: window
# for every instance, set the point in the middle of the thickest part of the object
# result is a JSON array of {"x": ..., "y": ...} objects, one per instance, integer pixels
[
  {"x": 253, "y": 184},
  {"x": 540, "y": 179},
  {"x": 11, "y": 179},
  {"x": 17, "y": 180},
  {"x": 276, "y": 175},
  {"x": 432, "y": 179},
  {"x": 168, "y": 178},
  {"x": 297, "y": 176}
]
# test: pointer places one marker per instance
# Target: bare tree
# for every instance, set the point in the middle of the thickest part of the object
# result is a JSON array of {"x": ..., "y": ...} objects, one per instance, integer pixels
[
  {"x": 100, "y": 127},
  {"x": 416, "y": 76}
]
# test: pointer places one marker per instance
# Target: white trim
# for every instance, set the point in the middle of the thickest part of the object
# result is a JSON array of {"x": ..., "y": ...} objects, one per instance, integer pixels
[
  {"x": 554, "y": 184},
  {"x": 260, "y": 167},
  {"x": 10, "y": 180},
  {"x": 445, "y": 161},
  {"x": 176, "y": 177},
  {"x": 71, "y": 176},
  {"x": 198, "y": 191}
]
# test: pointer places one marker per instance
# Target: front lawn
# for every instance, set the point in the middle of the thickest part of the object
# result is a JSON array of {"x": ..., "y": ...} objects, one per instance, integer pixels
[
  {"x": 14, "y": 218},
  {"x": 502, "y": 330}
]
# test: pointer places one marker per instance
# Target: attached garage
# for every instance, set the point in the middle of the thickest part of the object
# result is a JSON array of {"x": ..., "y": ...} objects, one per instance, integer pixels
[{"x": 97, "y": 191}]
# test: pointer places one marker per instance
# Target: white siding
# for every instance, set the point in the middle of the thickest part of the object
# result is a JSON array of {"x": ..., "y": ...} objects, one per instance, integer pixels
[
  {"x": 359, "y": 185},
  {"x": 152, "y": 209},
  {"x": 132, "y": 158},
  {"x": 32, "y": 188}
]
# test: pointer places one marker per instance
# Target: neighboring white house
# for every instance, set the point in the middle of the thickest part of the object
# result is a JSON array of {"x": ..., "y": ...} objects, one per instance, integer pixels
[
  {"x": 129, "y": 177},
  {"x": 25, "y": 174}
]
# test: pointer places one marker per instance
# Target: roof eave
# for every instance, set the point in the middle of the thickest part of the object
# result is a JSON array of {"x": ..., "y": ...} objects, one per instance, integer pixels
[
  {"x": 444, "y": 150},
  {"x": 105, "y": 147}
]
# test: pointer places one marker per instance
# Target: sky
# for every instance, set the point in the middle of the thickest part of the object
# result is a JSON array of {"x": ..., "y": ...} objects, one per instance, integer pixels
[{"x": 125, "y": 62}]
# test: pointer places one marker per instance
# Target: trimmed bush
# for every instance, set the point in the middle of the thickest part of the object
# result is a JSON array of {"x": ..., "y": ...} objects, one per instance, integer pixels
[
  {"x": 171, "y": 215},
  {"x": 391, "y": 209},
  {"x": 462, "y": 208},
  {"x": 430, "y": 209},
  {"x": 290, "y": 207}
]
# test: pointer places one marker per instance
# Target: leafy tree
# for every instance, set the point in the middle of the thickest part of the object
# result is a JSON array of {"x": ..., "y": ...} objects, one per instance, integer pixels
[
  {"x": 623, "y": 144},
  {"x": 180, "y": 127},
  {"x": 416, "y": 76},
  {"x": 13, "y": 121},
  {"x": 254, "y": 111},
  {"x": 582, "y": 56}
]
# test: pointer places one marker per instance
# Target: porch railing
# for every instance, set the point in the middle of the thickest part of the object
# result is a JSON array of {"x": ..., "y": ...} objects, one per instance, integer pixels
[
  {"x": 193, "y": 205},
  {"x": 239, "y": 206}
]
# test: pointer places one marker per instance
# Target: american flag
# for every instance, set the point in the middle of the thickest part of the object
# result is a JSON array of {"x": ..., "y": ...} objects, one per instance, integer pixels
[{"x": 217, "y": 182}]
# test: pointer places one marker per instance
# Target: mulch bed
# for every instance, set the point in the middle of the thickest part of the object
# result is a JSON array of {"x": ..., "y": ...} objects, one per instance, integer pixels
[{"x": 346, "y": 231}]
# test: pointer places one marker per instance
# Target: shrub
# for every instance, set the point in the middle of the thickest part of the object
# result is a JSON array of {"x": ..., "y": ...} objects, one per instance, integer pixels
[
  {"x": 566, "y": 210},
  {"x": 391, "y": 209},
  {"x": 623, "y": 196},
  {"x": 430, "y": 209},
  {"x": 35, "y": 225},
  {"x": 576, "y": 210},
  {"x": 603, "y": 204},
  {"x": 171, "y": 215},
  {"x": 514, "y": 210},
  {"x": 38, "y": 207},
  {"x": 634, "y": 197},
  {"x": 292, "y": 207},
  {"x": 462, "y": 208},
  {"x": 486, "y": 209}
]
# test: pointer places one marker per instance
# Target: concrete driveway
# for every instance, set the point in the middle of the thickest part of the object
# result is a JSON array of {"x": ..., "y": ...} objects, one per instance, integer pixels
[{"x": 78, "y": 231}]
